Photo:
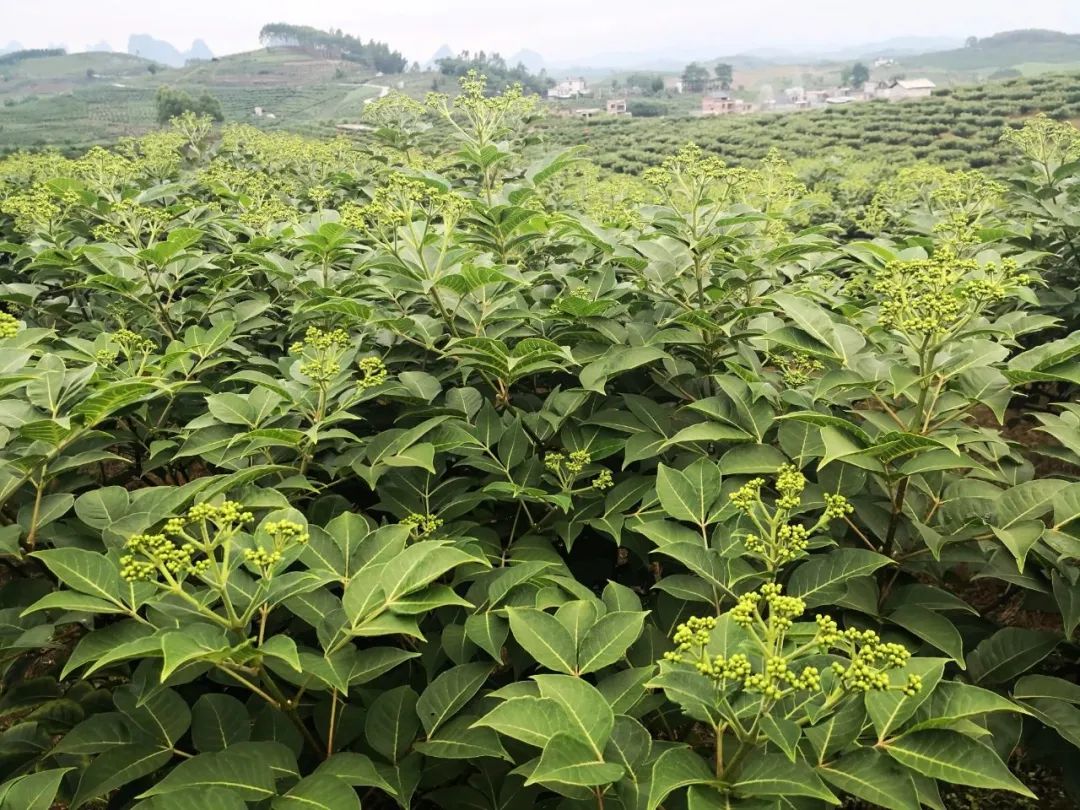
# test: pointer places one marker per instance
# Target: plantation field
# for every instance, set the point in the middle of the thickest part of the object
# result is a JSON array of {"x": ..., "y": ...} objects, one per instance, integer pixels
[
  {"x": 72, "y": 111},
  {"x": 960, "y": 129},
  {"x": 442, "y": 468}
]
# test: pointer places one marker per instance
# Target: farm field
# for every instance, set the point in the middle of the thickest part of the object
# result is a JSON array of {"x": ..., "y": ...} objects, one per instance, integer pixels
[
  {"x": 959, "y": 128},
  {"x": 489, "y": 461}
]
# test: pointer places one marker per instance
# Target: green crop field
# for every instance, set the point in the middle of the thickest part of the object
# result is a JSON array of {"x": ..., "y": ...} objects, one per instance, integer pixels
[
  {"x": 452, "y": 467},
  {"x": 960, "y": 127}
]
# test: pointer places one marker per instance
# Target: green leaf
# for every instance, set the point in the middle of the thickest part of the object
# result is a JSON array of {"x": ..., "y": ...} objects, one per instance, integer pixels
[
  {"x": 118, "y": 766},
  {"x": 617, "y": 360},
  {"x": 776, "y": 775},
  {"x": 247, "y": 776},
  {"x": 1008, "y": 653},
  {"x": 1044, "y": 686},
  {"x": 532, "y": 720},
  {"x": 952, "y": 757},
  {"x": 873, "y": 777},
  {"x": 195, "y": 642},
  {"x": 459, "y": 739},
  {"x": 318, "y": 792},
  {"x": 354, "y": 769},
  {"x": 591, "y": 717},
  {"x": 952, "y": 701},
  {"x": 1063, "y": 717},
  {"x": 95, "y": 734},
  {"x": 218, "y": 721},
  {"x": 816, "y": 580},
  {"x": 688, "y": 494},
  {"x": 675, "y": 768},
  {"x": 567, "y": 760},
  {"x": 932, "y": 628},
  {"x": 84, "y": 571},
  {"x": 35, "y": 791},
  {"x": 707, "y": 432},
  {"x": 391, "y": 723},
  {"x": 448, "y": 693},
  {"x": 609, "y": 639},
  {"x": 544, "y": 638}
]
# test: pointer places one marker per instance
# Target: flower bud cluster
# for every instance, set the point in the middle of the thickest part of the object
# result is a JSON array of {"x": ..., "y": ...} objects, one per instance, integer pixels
[
  {"x": 284, "y": 534},
  {"x": 870, "y": 658},
  {"x": 321, "y": 340},
  {"x": 748, "y": 494},
  {"x": 159, "y": 553},
  {"x": 837, "y": 506},
  {"x": 9, "y": 326},
  {"x": 373, "y": 372},
  {"x": 422, "y": 525},
  {"x": 131, "y": 343},
  {"x": 603, "y": 480},
  {"x": 790, "y": 483},
  {"x": 797, "y": 369}
]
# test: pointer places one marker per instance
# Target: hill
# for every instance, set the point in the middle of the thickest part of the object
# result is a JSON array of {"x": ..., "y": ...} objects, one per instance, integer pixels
[
  {"x": 87, "y": 98},
  {"x": 1005, "y": 50},
  {"x": 959, "y": 128},
  {"x": 158, "y": 50}
]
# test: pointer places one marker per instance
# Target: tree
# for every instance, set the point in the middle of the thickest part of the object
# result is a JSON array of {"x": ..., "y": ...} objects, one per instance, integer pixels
[
  {"x": 657, "y": 85},
  {"x": 724, "y": 73},
  {"x": 856, "y": 76},
  {"x": 971, "y": 42},
  {"x": 172, "y": 103},
  {"x": 694, "y": 77}
]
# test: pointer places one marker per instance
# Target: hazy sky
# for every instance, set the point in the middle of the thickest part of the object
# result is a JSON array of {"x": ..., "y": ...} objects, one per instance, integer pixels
[{"x": 558, "y": 29}]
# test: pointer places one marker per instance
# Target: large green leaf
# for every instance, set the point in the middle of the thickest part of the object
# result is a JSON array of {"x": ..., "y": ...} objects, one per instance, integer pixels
[
  {"x": 568, "y": 760},
  {"x": 952, "y": 757}
]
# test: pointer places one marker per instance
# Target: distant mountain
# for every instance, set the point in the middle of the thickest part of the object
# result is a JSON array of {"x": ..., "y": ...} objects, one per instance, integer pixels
[
  {"x": 158, "y": 50},
  {"x": 444, "y": 52},
  {"x": 531, "y": 59},
  {"x": 198, "y": 50},
  {"x": 100, "y": 47},
  {"x": 11, "y": 47},
  {"x": 1004, "y": 50}
]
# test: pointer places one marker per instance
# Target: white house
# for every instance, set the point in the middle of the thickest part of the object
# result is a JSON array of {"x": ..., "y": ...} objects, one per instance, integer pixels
[
  {"x": 903, "y": 89},
  {"x": 570, "y": 88}
]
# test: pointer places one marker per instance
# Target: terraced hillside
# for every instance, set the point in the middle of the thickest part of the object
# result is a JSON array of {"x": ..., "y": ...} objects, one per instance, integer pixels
[
  {"x": 76, "y": 100},
  {"x": 959, "y": 128}
]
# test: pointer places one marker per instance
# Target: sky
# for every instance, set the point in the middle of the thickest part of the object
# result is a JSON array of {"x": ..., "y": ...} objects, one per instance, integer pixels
[{"x": 560, "y": 30}]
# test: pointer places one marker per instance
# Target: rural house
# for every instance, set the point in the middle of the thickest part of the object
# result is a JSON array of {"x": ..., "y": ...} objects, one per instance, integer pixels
[
  {"x": 617, "y": 106},
  {"x": 902, "y": 89},
  {"x": 722, "y": 103},
  {"x": 570, "y": 88}
]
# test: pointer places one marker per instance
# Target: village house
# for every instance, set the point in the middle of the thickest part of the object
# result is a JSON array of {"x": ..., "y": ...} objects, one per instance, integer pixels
[
  {"x": 617, "y": 106},
  {"x": 723, "y": 103},
  {"x": 587, "y": 112},
  {"x": 570, "y": 88},
  {"x": 903, "y": 89}
]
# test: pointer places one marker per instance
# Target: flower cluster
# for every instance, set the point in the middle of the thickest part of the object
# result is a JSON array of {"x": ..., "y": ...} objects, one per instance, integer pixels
[
  {"x": 373, "y": 372},
  {"x": 159, "y": 555},
  {"x": 938, "y": 295},
  {"x": 284, "y": 534},
  {"x": 9, "y": 326},
  {"x": 603, "y": 480},
  {"x": 837, "y": 506},
  {"x": 422, "y": 526},
  {"x": 797, "y": 369},
  {"x": 131, "y": 343},
  {"x": 790, "y": 483},
  {"x": 1045, "y": 141},
  {"x": 867, "y": 665},
  {"x": 322, "y": 350},
  {"x": 690, "y": 162}
]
